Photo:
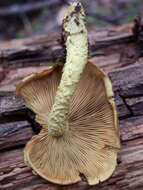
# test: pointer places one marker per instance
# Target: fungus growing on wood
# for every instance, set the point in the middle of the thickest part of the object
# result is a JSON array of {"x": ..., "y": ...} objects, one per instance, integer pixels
[{"x": 75, "y": 107}]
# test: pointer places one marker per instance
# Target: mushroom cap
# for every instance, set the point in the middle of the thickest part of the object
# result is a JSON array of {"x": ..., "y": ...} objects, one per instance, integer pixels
[{"x": 90, "y": 146}]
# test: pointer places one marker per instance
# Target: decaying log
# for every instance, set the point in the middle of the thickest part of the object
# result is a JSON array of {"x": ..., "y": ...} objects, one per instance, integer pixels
[
  {"x": 114, "y": 50},
  {"x": 47, "y": 48}
]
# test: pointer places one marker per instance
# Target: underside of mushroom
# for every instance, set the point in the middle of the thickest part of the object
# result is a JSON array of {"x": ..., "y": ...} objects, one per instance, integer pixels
[
  {"x": 75, "y": 107},
  {"x": 90, "y": 146}
]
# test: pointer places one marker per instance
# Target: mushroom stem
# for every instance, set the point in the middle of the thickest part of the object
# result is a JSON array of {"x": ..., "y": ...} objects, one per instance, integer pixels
[{"x": 76, "y": 43}]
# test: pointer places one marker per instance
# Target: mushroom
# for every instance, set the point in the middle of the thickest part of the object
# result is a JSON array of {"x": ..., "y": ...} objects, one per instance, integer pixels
[{"x": 75, "y": 107}]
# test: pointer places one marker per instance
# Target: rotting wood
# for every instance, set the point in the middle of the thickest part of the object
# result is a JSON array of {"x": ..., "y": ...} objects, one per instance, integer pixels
[
  {"x": 125, "y": 70},
  {"x": 127, "y": 84},
  {"x": 42, "y": 49},
  {"x": 18, "y": 133},
  {"x": 128, "y": 175}
]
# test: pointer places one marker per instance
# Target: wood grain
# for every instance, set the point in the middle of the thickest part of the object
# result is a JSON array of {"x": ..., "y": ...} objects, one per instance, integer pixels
[{"x": 119, "y": 57}]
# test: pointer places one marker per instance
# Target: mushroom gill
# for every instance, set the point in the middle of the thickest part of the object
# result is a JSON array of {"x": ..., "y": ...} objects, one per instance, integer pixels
[{"x": 91, "y": 144}]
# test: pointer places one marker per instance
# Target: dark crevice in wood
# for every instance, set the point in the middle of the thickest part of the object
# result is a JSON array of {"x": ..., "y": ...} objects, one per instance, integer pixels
[
  {"x": 128, "y": 107},
  {"x": 125, "y": 116},
  {"x": 21, "y": 115},
  {"x": 30, "y": 116},
  {"x": 11, "y": 117},
  {"x": 17, "y": 146}
]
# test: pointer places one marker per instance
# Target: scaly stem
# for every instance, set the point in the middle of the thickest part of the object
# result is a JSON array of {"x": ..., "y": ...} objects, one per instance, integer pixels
[{"x": 76, "y": 59}]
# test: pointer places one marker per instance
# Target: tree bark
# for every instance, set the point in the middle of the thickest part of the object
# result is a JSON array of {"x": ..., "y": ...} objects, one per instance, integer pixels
[{"x": 117, "y": 52}]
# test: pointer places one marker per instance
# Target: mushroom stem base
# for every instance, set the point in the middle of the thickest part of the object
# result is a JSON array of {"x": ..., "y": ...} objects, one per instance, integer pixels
[{"x": 58, "y": 131}]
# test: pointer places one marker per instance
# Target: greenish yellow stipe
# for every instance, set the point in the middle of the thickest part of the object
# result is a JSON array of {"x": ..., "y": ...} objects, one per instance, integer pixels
[{"x": 77, "y": 51}]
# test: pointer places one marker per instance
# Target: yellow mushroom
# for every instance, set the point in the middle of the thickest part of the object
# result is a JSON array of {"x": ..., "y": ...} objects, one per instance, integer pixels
[{"x": 75, "y": 107}]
